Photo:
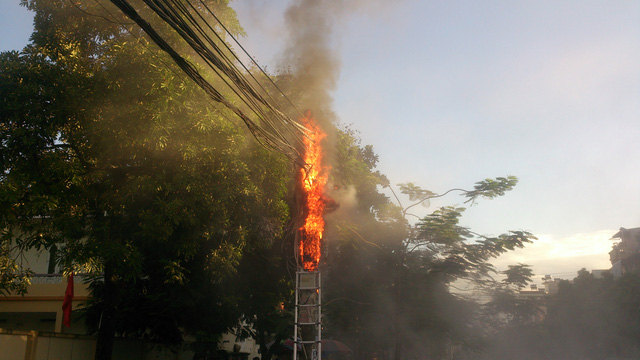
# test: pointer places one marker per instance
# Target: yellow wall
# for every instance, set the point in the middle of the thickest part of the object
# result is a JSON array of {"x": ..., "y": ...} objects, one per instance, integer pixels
[{"x": 45, "y": 299}]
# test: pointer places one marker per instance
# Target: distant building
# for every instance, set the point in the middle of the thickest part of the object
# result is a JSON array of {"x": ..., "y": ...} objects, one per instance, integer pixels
[
  {"x": 550, "y": 285},
  {"x": 532, "y": 293},
  {"x": 599, "y": 273},
  {"x": 625, "y": 255}
]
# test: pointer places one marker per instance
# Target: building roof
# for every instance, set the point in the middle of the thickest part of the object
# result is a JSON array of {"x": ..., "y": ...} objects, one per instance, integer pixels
[{"x": 626, "y": 232}]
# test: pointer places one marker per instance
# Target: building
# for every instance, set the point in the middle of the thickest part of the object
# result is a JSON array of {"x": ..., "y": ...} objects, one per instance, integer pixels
[
  {"x": 40, "y": 309},
  {"x": 31, "y": 325},
  {"x": 625, "y": 255},
  {"x": 550, "y": 285}
]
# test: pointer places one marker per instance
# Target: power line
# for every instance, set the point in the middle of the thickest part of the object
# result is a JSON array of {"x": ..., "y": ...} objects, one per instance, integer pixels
[
  {"x": 278, "y": 111},
  {"x": 250, "y": 57},
  {"x": 178, "y": 17},
  {"x": 175, "y": 13},
  {"x": 227, "y": 65},
  {"x": 145, "y": 44}
]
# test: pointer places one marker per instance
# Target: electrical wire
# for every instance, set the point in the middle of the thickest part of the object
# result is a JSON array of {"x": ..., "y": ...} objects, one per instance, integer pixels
[
  {"x": 178, "y": 17},
  {"x": 145, "y": 44},
  {"x": 252, "y": 60}
]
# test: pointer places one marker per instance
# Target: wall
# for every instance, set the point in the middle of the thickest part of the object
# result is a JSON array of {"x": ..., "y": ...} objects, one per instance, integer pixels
[
  {"x": 13, "y": 346},
  {"x": 32, "y": 345}
]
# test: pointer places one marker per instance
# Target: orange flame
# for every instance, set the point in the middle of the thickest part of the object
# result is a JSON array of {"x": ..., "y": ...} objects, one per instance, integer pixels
[{"x": 313, "y": 178}]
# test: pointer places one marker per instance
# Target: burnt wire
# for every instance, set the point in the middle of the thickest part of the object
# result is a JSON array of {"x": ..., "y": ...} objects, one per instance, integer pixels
[
  {"x": 255, "y": 63},
  {"x": 275, "y": 109}
]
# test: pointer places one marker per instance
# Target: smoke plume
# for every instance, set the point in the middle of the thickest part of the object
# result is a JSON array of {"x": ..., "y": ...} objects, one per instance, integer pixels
[{"x": 315, "y": 64}]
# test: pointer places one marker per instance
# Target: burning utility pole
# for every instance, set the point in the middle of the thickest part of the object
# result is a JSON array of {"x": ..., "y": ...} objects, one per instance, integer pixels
[{"x": 313, "y": 177}]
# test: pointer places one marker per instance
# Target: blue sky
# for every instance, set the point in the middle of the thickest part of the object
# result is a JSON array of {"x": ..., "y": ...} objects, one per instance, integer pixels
[
  {"x": 452, "y": 92},
  {"x": 16, "y": 24}
]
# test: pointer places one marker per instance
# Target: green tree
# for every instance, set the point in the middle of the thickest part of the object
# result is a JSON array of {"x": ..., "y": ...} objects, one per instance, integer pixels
[
  {"x": 358, "y": 248},
  {"x": 13, "y": 278},
  {"x": 148, "y": 187},
  {"x": 506, "y": 307},
  {"x": 388, "y": 290},
  {"x": 263, "y": 291},
  {"x": 594, "y": 318},
  {"x": 512, "y": 322},
  {"x": 446, "y": 252}
]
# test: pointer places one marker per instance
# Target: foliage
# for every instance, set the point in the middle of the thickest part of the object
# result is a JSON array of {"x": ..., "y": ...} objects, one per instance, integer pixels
[
  {"x": 388, "y": 290},
  {"x": 181, "y": 221},
  {"x": 263, "y": 290},
  {"x": 509, "y": 310},
  {"x": 491, "y": 188},
  {"x": 13, "y": 279},
  {"x": 518, "y": 275},
  {"x": 147, "y": 186},
  {"x": 595, "y": 317},
  {"x": 589, "y": 318}
]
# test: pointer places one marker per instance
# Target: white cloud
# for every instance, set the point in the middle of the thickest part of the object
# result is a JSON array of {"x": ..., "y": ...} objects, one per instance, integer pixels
[{"x": 562, "y": 256}]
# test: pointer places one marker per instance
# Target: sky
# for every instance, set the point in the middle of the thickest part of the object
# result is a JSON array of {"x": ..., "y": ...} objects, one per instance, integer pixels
[{"x": 453, "y": 92}]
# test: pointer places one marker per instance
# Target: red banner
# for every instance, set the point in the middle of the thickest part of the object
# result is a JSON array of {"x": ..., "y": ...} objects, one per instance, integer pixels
[{"x": 66, "y": 304}]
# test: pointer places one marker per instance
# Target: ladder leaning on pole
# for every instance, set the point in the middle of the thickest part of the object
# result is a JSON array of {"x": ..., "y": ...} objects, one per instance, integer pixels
[{"x": 307, "y": 332}]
